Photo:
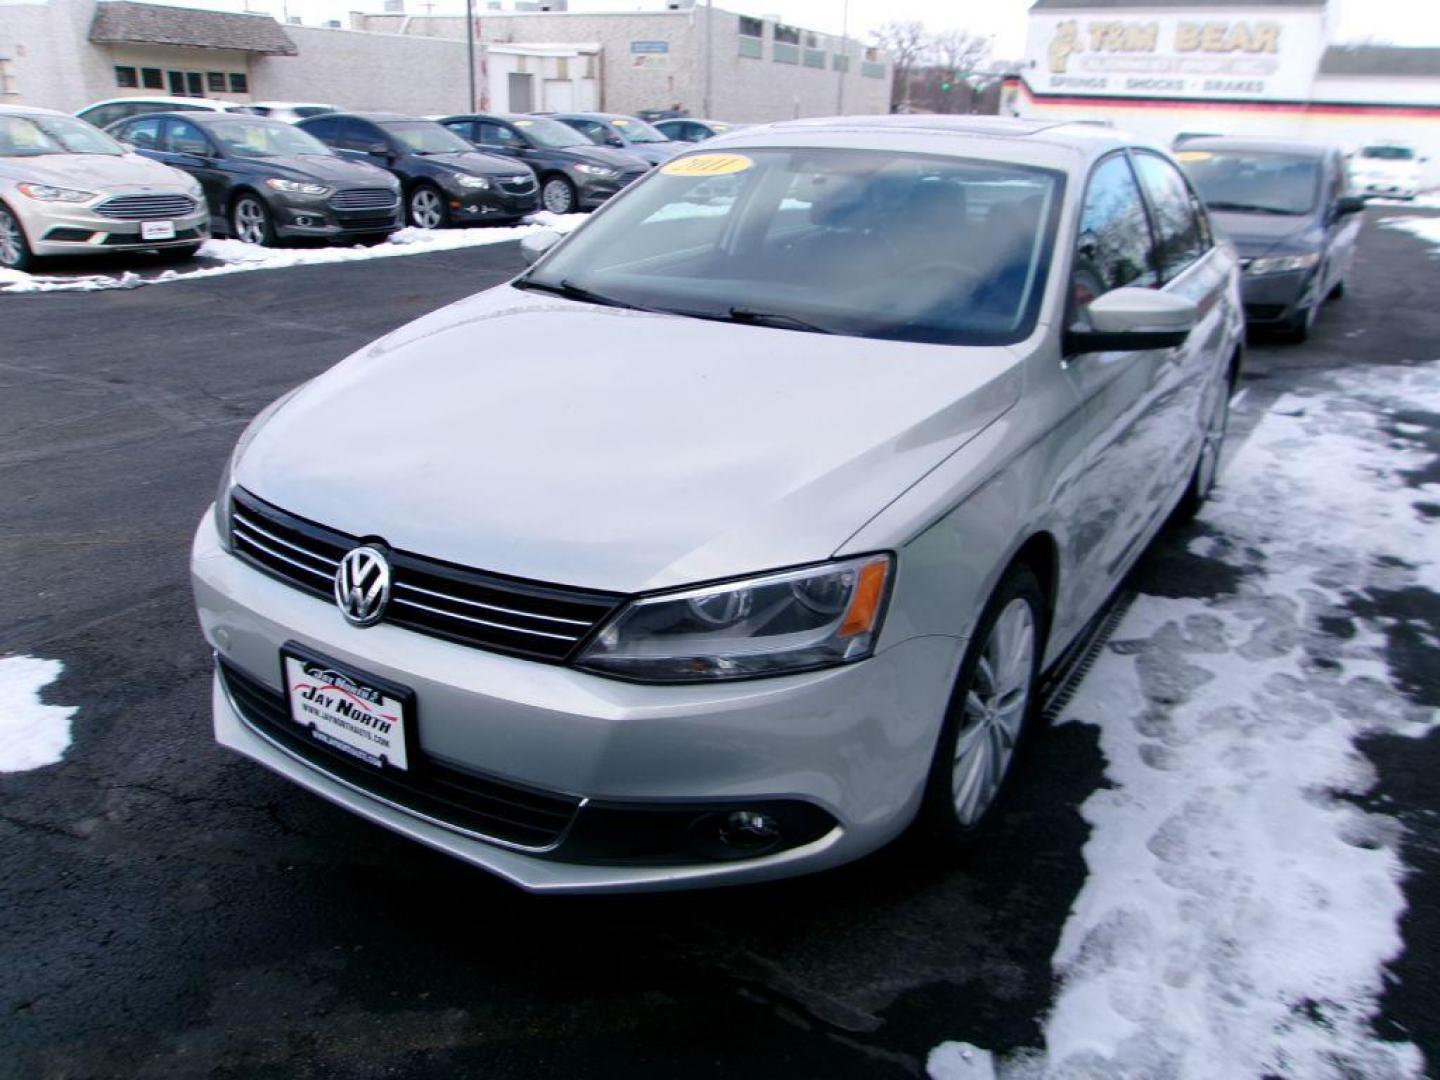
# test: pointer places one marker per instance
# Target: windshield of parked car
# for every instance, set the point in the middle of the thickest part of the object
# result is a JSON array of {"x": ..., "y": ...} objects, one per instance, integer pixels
[
  {"x": 28, "y": 136},
  {"x": 637, "y": 131},
  {"x": 1252, "y": 181},
  {"x": 551, "y": 133},
  {"x": 426, "y": 137},
  {"x": 265, "y": 138},
  {"x": 855, "y": 242},
  {"x": 1388, "y": 153}
]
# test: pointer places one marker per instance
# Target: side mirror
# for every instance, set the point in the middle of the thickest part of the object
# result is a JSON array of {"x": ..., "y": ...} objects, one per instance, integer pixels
[
  {"x": 1349, "y": 204},
  {"x": 1131, "y": 319},
  {"x": 537, "y": 244}
]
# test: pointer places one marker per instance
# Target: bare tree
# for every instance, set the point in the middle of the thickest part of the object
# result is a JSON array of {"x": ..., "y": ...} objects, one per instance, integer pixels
[
  {"x": 960, "y": 51},
  {"x": 907, "y": 41}
]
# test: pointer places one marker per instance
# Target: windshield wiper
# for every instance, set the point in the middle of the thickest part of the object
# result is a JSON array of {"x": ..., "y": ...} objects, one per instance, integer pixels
[
  {"x": 568, "y": 289},
  {"x": 774, "y": 318},
  {"x": 1247, "y": 208}
]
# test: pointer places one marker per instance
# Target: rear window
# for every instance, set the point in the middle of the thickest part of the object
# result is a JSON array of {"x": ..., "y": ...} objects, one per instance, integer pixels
[{"x": 1388, "y": 153}]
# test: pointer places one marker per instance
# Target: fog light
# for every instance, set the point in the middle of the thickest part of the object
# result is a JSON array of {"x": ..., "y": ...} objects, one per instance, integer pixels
[
  {"x": 302, "y": 220},
  {"x": 749, "y": 831}
]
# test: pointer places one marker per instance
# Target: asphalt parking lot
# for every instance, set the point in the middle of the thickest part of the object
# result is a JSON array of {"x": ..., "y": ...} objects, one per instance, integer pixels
[{"x": 172, "y": 910}]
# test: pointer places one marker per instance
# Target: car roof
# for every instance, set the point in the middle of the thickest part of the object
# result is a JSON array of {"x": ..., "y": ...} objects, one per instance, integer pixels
[
  {"x": 29, "y": 110},
  {"x": 1298, "y": 147},
  {"x": 373, "y": 117},
  {"x": 203, "y": 117},
  {"x": 597, "y": 116},
  {"x": 197, "y": 104},
  {"x": 292, "y": 104}
]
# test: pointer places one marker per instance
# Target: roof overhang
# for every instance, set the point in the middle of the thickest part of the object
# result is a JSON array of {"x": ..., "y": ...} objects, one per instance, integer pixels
[{"x": 124, "y": 22}]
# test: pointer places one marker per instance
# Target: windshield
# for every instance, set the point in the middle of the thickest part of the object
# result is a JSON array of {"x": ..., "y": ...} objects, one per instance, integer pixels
[
  {"x": 637, "y": 131},
  {"x": 28, "y": 136},
  {"x": 551, "y": 133},
  {"x": 854, "y": 242},
  {"x": 426, "y": 137},
  {"x": 1253, "y": 181},
  {"x": 265, "y": 138},
  {"x": 1388, "y": 153}
]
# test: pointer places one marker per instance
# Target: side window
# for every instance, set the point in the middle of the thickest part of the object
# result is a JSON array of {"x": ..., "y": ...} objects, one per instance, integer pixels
[
  {"x": 143, "y": 134},
  {"x": 183, "y": 137},
  {"x": 358, "y": 135},
  {"x": 464, "y": 128},
  {"x": 497, "y": 135},
  {"x": 595, "y": 131},
  {"x": 1112, "y": 249},
  {"x": 323, "y": 129},
  {"x": 1181, "y": 233},
  {"x": 104, "y": 116}
]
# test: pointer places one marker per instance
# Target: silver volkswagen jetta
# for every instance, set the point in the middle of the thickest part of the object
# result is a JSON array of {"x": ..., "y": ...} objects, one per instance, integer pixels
[{"x": 733, "y": 536}]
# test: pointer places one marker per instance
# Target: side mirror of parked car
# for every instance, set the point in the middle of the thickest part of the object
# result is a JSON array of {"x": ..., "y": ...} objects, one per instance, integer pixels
[
  {"x": 1349, "y": 204},
  {"x": 537, "y": 244},
  {"x": 1130, "y": 319}
]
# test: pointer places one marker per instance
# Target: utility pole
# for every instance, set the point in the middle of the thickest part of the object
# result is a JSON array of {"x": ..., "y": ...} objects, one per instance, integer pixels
[
  {"x": 706, "y": 110},
  {"x": 845, "y": 52},
  {"x": 470, "y": 48}
]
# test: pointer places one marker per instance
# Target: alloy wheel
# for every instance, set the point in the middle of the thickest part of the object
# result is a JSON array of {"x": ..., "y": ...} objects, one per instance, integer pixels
[
  {"x": 557, "y": 196},
  {"x": 12, "y": 241},
  {"x": 995, "y": 707},
  {"x": 1214, "y": 442},
  {"x": 426, "y": 212},
  {"x": 250, "y": 223}
]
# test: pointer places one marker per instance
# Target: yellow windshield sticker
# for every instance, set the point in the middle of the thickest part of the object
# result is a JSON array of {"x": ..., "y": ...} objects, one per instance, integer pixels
[
  {"x": 1194, "y": 155},
  {"x": 707, "y": 165},
  {"x": 524, "y": 123},
  {"x": 621, "y": 123}
]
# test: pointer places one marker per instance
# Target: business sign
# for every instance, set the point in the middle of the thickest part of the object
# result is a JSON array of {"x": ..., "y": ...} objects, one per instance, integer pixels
[
  {"x": 649, "y": 46},
  {"x": 1269, "y": 55},
  {"x": 650, "y": 55}
]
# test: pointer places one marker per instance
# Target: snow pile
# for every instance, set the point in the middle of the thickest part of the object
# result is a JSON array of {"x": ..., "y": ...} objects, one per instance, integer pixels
[
  {"x": 1426, "y": 200},
  {"x": 1427, "y": 228},
  {"x": 235, "y": 256},
  {"x": 32, "y": 735},
  {"x": 1239, "y": 912}
]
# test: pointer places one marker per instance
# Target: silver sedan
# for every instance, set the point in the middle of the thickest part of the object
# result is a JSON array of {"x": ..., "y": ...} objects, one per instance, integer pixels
[
  {"x": 67, "y": 188},
  {"x": 733, "y": 537}
]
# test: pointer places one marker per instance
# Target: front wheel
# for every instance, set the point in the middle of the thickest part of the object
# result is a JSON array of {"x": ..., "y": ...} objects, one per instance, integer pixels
[
  {"x": 990, "y": 709},
  {"x": 15, "y": 251},
  {"x": 427, "y": 208},
  {"x": 1207, "y": 466},
  {"x": 557, "y": 195},
  {"x": 250, "y": 221}
]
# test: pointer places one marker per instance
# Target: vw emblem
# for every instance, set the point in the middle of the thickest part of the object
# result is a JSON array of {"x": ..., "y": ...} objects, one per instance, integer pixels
[{"x": 362, "y": 585}]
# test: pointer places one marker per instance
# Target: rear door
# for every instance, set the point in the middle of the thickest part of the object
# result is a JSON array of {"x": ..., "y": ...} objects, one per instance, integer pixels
[{"x": 187, "y": 147}]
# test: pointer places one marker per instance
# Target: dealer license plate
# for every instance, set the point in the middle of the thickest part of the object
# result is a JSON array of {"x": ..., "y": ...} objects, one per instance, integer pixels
[
  {"x": 157, "y": 230},
  {"x": 348, "y": 711}
]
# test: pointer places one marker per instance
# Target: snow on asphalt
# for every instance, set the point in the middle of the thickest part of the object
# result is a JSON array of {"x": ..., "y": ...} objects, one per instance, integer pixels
[
  {"x": 32, "y": 734},
  {"x": 235, "y": 256},
  {"x": 1427, "y": 228},
  {"x": 1239, "y": 909}
]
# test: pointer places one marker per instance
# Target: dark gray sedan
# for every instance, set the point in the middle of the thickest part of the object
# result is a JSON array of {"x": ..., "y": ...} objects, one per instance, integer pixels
[{"x": 1286, "y": 207}]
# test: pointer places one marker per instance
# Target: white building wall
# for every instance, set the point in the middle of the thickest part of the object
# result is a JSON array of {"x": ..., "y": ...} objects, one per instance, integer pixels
[{"x": 48, "y": 59}]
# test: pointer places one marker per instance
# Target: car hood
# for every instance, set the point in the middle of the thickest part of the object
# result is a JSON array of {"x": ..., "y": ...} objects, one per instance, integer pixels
[
  {"x": 623, "y": 160},
  {"x": 99, "y": 172},
  {"x": 327, "y": 169},
  {"x": 1256, "y": 234},
  {"x": 655, "y": 153},
  {"x": 616, "y": 449},
  {"x": 477, "y": 164}
]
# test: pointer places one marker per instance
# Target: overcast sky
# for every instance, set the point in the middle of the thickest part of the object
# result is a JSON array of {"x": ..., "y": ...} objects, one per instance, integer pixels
[{"x": 1406, "y": 22}]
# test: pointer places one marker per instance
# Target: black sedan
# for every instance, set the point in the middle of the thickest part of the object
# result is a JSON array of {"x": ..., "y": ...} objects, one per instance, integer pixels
[
  {"x": 690, "y": 130},
  {"x": 573, "y": 172},
  {"x": 266, "y": 181},
  {"x": 445, "y": 180},
  {"x": 628, "y": 133}
]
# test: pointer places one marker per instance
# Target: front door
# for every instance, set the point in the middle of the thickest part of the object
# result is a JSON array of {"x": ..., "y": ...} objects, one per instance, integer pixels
[{"x": 522, "y": 92}]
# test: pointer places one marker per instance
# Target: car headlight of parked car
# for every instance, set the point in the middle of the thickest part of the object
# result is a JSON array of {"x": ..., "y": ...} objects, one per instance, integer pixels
[
  {"x": 296, "y": 187},
  {"x": 465, "y": 180},
  {"x": 598, "y": 170},
  {"x": 50, "y": 193},
  {"x": 794, "y": 620},
  {"x": 1281, "y": 264}
]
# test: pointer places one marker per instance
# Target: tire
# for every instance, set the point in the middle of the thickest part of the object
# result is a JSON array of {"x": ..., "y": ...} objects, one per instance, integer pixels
[
  {"x": 1298, "y": 330},
  {"x": 426, "y": 207},
  {"x": 1207, "y": 465},
  {"x": 15, "y": 253},
  {"x": 557, "y": 194},
  {"x": 250, "y": 221},
  {"x": 975, "y": 756}
]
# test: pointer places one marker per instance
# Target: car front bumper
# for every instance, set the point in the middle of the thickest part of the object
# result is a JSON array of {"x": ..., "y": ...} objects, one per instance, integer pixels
[
  {"x": 64, "y": 229},
  {"x": 1388, "y": 189},
  {"x": 468, "y": 206},
  {"x": 297, "y": 217},
  {"x": 853, "y": 743},
  {"x": 1275, "y": 298},
  {"x": 592, "y": 192}
]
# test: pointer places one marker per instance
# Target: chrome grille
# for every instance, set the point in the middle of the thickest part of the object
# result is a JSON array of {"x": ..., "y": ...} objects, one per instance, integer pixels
[
  {"x": 488, "y": 611},
  {"x": 518, "y": 184},
  {"x": 146, "y": 207},
  {"x": 365, "y": 199}
]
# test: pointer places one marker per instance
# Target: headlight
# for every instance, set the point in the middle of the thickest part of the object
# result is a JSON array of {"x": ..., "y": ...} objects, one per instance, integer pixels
[
  {"x": 296, "y": 187},
  {"x": 795, "y": 620},
  {"x": 47, "y": 193},
  {"x": 465, "y": 180},
  {"x": 597, "y": 170},
  {"x": 227, "y": 477},
  {"x": 1280, "y": 264}
]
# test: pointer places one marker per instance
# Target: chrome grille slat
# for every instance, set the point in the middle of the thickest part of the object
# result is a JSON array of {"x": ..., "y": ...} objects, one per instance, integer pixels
[
  {"x": 365, "y": 199},
  {"x": 146, "y": 207},
  {"x": 533, "y": 619}
]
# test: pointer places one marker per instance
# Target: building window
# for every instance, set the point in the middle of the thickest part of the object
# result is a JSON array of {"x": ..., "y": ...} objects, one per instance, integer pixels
[
  {"x": 152, "y": 78},
  {"x": 815, "y": 58},
  {"x": 215, "y": 81},
  {"x": 239, "y": 83},
  {"x": 840, "y": 62},
  {"x": 751, "y": 27},
  {"x": 872, "y": 71},
  {"x": 812, "y": 41},
  {"x": 194, "y": 84},
  {"x": 752, "y": 47},
  {"x": 789, "y": 35},
  {"x": 125, "y": 76},
  {"x": 872, "y": 54}
]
